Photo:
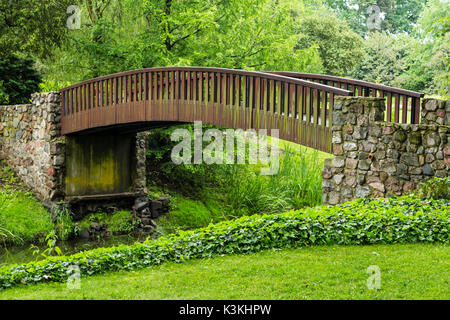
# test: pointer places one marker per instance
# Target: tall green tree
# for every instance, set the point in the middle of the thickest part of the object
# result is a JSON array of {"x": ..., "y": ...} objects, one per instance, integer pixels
[
  {"x": 32, "y": 27},
  {"x": 387, "y": 57},
  {"x": 429, "y": 62},
  {"x": 18, "y": 79},
  {"x": 420, "y": 63},
  {"x": 340, "y": 48}
]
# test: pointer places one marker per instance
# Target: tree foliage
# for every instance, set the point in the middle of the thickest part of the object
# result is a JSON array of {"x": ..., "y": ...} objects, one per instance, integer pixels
[
  {"x": 18, "y": 80},
  {"x": 386, "y": 58},
  {"x": 317, "y": 36},
  {"x": 340, "y": 48},
  {"x": 419, "y": 61},
  {"x": 32, "y": 26},
  {"x": 397, "y": 16},
  {"x": 253, "y": 35}
]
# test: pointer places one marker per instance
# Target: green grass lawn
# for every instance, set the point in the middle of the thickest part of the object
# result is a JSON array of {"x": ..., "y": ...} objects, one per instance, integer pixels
[{"x": 414, "y": 271}]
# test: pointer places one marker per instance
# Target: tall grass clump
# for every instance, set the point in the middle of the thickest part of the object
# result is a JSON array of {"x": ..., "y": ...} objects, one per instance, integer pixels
[
  {"x": 296, "y": 184},
  {"x": 22, "y": 217}
]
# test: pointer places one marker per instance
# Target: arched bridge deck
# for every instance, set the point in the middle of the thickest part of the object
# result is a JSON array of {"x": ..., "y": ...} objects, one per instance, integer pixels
[{"x": 299, "y": 105}]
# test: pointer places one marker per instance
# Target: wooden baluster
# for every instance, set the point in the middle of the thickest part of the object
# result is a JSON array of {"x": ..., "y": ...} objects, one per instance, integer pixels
[
  {"x": 265, "y": 105},
  {"x": 188, "y": 86},
  {"x": 250, "y": 90},
  {"x": 91, "y": 95},
  {"x": 405, "y": 109},
  {"x": 72, "y": 99},
  {"x": 194, "y": 86},
  {"x": 100, "y": 104},
  {"x": 323, "y": 109},
  {"x": 218, "y": 87},
  {"x": 183, "y": 85},
  {"x": 135, "y": 88},
  {"x": 272, "y": 97},
  {"x": 140, "y": 86},
  {"x": 315, "y": 105},
  {"x": 94, "y": 95},
  {"x": 207, "y": 87},
  {"x": 278, "y": 97},
  {"x": 200, "y": 88},
  {"x": 298, "y": 103},
  {"x": 145, "y": 79},
  {"x": 244, "y": 92},
  {"x": 128, "y": 89},
  {"x": 69, "y": 110},
  {"x": 151, "y": 86},
  {"x": 110, "y": 91},
  {"x": 237, "y": 86},
  {"x": 319, "y": 110},
  {"x": 119, "y": 90},
  {"x": 69, "y": 104},
  {"x": 77, "y": 98},
  {"x": 83, "y": 93},
  {"x": 389, "y": 108},
  {"x": 330, "y": 110},
  {"x": 291, "y": 101},
  {"x": 100, "y": 93},
  {"x": 257, "y": 94},
  {"x": 228, "y": 89},
  {"x": 397, "y": 108},
  {"x": 161, "y": 86}
]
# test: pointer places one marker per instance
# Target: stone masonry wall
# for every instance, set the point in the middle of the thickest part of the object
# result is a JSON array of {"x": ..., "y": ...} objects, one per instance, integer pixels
[
  {"x": 30, "y": 143},
  {"x": 378, "y": 159},
  {"x": 435, "y": 112}
]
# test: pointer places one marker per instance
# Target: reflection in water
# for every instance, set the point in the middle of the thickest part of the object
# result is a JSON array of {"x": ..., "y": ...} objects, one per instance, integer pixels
[{"x": 24, "y": 254}]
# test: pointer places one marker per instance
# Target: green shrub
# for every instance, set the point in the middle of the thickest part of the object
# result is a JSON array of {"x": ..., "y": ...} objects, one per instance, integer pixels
[
  {"x": 436, "y": 188},
  {"x": 364, "y": 221},
  {"x": 18, "y": 80}
]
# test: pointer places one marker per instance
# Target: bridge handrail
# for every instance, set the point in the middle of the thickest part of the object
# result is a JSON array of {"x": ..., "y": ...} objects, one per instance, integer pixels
[
  {"x": 398, "y": 100},
  {"x": 268, "y": 75},
  {"x": 300, "y": 109}
]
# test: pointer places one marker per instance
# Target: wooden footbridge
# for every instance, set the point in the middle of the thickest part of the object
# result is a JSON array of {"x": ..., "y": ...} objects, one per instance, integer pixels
[{"x": 299, "y": 105}]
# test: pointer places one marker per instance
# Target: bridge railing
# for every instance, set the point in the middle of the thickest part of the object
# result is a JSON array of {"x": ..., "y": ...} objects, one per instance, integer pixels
[
  {"x": 300, "y": 109},
  {"x": 403, "y": 106}
]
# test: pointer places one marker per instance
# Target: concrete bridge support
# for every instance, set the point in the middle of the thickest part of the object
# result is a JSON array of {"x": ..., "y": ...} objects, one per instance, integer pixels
[{"x": 105, "y": 170}]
